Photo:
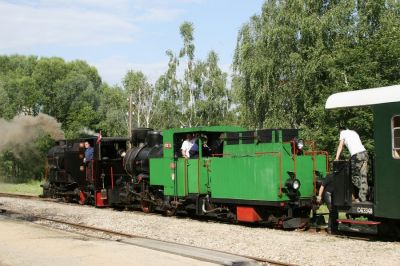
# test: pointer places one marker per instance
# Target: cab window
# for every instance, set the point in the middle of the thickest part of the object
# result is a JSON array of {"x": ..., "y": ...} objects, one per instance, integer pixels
[
  {"x": 396, "y": 136},
  {"x": 113, "y": 150}
]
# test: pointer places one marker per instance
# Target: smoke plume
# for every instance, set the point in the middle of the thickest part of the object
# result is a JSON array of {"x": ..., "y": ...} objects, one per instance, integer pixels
[
  {"x": 23, "y": 129},
  {"x": 88, "y": 131}
]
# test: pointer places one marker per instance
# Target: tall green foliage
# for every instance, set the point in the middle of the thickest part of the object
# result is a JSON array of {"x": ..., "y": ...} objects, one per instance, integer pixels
[
  {"x": 296, "y": 53},
  {"x": 144, "y": 98},
  {"x": 68, "y": 91},
  {"x": 112, "y": 110},
  {"x": 193, "y": 92},
  {"x": 50, "y": 85}
]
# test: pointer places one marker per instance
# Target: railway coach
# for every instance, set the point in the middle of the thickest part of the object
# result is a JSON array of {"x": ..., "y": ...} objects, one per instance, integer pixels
[{"x": 382, "y": 207}]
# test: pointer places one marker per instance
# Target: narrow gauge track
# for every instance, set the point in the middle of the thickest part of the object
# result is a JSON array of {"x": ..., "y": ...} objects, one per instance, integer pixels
[
  {"x": 21, "y": 196},
  {"x": 31, "y": 217},
  {"x": 311, "y": 229}
]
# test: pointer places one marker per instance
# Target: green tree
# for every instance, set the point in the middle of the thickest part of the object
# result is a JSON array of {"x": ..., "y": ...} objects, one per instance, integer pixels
[
  {"x": 18, "y": 89},
  {"x": 112, "y": 110},
  {"x": 214, "y": 102},
  {"x": 200, "y": 96},
  {"x": 144, "y": 97},
  {"x": 62, "y": 84},
  {"x": 293, "y": 55},
  {"x": 69, "y": 91}
]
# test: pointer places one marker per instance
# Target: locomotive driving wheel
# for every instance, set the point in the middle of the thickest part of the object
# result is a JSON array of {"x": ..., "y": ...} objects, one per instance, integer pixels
[
  {"x": 145, "y": 203},
  {"x": 169, "y": 212},
  {"x": 146, "y": 206}
]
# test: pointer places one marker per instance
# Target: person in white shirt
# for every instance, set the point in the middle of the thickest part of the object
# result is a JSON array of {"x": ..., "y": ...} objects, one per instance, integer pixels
[
  {"x": 358, "y": 160},
  {"x": 187, "y": 145}
]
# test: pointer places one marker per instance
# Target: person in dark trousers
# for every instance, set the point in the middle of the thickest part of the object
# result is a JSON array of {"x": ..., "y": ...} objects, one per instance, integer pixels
[
  {"x": 88, "y": 160},
  {"x": 358, "y": 160},
  {"x": 326, "y": 193},
  {"x": 206, "y": 151}
]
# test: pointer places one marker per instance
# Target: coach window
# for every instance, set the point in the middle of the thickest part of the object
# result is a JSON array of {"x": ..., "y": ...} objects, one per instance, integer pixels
[{"x": 396, "y": 136}]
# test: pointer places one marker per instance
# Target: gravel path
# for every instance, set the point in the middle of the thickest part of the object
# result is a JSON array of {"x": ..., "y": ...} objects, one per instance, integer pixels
[{"x": 302, "y": 248}]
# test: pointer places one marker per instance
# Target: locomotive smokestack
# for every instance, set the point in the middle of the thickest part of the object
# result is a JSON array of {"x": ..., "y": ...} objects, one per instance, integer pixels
[{"x": 23, "y": 129}]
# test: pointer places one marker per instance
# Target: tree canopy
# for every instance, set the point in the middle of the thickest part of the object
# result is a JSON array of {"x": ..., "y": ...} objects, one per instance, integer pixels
[
  {"x": 199, "y": 96},
  {"x": 71, "y": 92},
  {"x": 287, "y": 61},
  {"x": 296, "y": 53}
]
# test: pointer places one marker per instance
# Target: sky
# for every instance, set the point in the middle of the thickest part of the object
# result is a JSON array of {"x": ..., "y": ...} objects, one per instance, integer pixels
[{"x": 116, "y": 36}]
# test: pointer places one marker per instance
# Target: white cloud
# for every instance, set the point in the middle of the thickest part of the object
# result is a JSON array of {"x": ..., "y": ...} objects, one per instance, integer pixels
[
  {"x": 160, "y": 14},
  {"x": 78, "y": 22},
  {"x": 109, "y": 5},
  {"x": 25, "y": 26},
  {"x": 34, "y": 25}
]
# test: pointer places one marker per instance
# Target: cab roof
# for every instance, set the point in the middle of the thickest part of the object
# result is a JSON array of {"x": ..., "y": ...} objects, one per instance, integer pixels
[
  {"x": 206, "y": 129},
  {"x": 365, "y": 97}
]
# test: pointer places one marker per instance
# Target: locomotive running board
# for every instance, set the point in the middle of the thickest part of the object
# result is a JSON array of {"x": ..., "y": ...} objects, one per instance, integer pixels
[{"x": 349, "y": 221}]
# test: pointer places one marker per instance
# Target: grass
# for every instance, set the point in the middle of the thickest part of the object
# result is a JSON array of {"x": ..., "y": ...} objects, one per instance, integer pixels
[
  {"x": 324, "y": 209},
  {"x": 28, "y": 188}
]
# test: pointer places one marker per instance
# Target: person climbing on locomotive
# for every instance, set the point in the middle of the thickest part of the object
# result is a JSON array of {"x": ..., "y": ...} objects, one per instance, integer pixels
[
  {"x": 358, "y": 160},
  {"x": 326, "y": 193},
  {"x": 187, "y": 145},
  {"x": 88, "y": 160}
]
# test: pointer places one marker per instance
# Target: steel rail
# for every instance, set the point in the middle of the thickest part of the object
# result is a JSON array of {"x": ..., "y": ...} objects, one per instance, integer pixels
[{"x": 310, "y": 230}]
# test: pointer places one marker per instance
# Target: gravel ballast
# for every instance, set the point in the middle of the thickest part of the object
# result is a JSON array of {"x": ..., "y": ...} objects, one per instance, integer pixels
[{"x": 296, "y": 247}]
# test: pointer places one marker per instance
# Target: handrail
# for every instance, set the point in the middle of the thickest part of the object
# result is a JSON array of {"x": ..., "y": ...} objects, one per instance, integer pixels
[
  {"x": 185, "y": 174},
  {"x": 198, "y": 175},
  {"x": 323, "y": 153},
  {"x": 112, "y": 177},
  {"x": 314, "y": 154}
]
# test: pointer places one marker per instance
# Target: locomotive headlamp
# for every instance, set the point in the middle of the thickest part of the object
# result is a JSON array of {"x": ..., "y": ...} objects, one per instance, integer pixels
[
  {"x": 293, "y": 184},
  {"x": 296, "y": 184}
]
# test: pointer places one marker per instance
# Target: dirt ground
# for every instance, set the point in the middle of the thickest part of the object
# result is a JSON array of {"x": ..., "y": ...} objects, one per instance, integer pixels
[
  {"x": 295, "y": 247},
  {"x": 23, "y": 243}
]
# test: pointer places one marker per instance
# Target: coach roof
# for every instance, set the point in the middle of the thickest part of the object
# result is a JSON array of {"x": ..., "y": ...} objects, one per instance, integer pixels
[{"x": 364, "y": 97}]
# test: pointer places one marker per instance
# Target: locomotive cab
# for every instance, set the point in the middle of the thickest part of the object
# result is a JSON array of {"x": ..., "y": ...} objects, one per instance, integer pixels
[
  {"x": 206, "y": 144},
  {"x": 107, "y": 171}
]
